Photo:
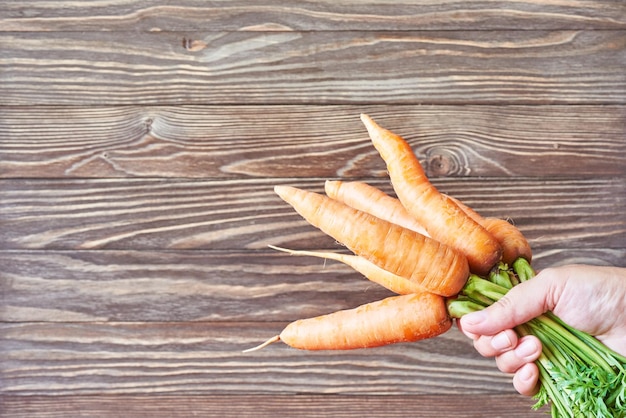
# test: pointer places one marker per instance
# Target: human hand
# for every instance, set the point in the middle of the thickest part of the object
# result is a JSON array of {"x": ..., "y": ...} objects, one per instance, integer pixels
[{"x": 589, "y": 298}]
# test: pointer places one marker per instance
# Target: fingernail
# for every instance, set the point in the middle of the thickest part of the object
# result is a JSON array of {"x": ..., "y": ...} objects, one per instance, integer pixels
[
  {"x": 526, "y": 349},
  {"x": 501, "y": 341},
  {"x": 474, "y": 318}
]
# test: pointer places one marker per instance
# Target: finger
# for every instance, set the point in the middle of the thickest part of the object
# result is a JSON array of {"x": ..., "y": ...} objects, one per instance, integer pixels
[
  {"x": 526, "y": 379},
  {"x": 490, "y": 346},
  {"x": 527, "y": 351},
  {"x": 467, "y": 334},
  {"x": 522, "y": 303}
]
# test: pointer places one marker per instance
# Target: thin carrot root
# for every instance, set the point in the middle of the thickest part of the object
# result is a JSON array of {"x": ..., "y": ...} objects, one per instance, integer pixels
[
  {"x": 272, "y": 340},
  {"x": 371, "y": 271}
]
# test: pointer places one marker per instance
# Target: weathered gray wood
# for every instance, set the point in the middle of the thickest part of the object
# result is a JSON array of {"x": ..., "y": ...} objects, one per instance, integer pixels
[
  {"x": 308, "y": 141},
  {"x": 343, "y": 67},
  {"x": 246, "y": 214},
  {"x": 140, "y": 358},
  {"x": 317, "y": 15},
  {"x": 181, "y": 286},
  {"x": 271, "y": 405}
]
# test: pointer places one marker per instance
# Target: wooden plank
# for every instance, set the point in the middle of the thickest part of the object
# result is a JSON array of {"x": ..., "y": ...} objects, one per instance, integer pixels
[
  {"x": 246, "y": 214},
  {"x": 134, "y": 286},
  {"x": 343, "y": 67},
  {"x": 79, "y": 214},
  {"x": 205, "y": 358},
  {"x": 318, "y": 15},
  {"x": 82, "y": 286},
  {"x": 190, "y": 215},
  {"x": 308, "y": 141},
  {"x": 271, "y": 405}
]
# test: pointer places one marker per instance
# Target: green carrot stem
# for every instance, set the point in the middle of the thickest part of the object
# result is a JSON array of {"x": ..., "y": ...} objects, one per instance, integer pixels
[
  {"x": 500, "y": 276},
  {"x": 459, "y": 307},
  {"x": 477, "y": 286},
  {"x": 613, "y": 358},
  {"x": 560, "y": 405},
  {"x": 513, "y": 278},
  {"x": 522, "y": 268},
  {"x": 552, "y": 352},
  {"x": 618, "y": 397},
  {"x": 572, "y": 343}
]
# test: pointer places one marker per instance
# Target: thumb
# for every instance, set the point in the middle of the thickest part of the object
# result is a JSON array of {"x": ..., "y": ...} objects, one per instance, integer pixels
[{"x": 521, "y": 304}]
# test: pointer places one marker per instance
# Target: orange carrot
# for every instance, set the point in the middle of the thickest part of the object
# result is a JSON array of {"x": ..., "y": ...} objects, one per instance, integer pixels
[
  {"x": 388, "y": 280},
  {"x": 441, "y": 217},
  {"x": 433, "y": 265},
  {"x": 405, "y": 318},
  {"x": 512, "y": 241},
  {"x": 369, "y": 199}
]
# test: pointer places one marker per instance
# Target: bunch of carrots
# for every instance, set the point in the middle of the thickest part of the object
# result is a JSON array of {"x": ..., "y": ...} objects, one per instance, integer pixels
[{"x": 443, "y": 260}]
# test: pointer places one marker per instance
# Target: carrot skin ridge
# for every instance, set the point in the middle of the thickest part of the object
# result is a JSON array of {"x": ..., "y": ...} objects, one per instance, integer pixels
[
  {"x": 441, "y": 217},
  {"x": 436, "y": 266},
  {"x": 405, "y": 318}
]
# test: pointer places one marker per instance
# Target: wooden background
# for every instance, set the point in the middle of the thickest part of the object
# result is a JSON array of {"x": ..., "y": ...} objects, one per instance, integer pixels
[{"x": 139, "y": 143}]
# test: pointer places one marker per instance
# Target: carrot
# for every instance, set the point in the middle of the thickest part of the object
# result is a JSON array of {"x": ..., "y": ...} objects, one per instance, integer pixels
[
  {"x": 388, "y": 280},
  {"x": 441, "y": 217},
  {"x": 396, "y": 319},
  {"x": 369, "y": 199},
  {"x": 403, "y": 252},
  {"x": 514, "y": 244}
]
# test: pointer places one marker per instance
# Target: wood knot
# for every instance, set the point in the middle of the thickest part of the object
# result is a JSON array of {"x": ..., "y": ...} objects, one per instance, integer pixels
[
  {"x": 447, "y": 162},
  {"x": 439, "y": 165},
  {"x": 193, "y": 44}
]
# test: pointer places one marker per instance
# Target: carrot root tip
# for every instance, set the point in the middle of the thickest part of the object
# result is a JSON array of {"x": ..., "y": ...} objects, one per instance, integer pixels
[
  {"x": 277, "y": 248},
  {"x": 263, "y": 345}
]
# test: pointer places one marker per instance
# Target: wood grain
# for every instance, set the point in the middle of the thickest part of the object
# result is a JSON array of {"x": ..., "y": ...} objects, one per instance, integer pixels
[
  {"x": 139, "y": 143},
  {"x": 312, "y": 15},
  {"x": 243, "y": 406},
  {"x": 83, "y": 286},
  {"x": 246, "y": 214},
  {"x": 308, "y": 141},
  {"x": 343, "y": 67},
  {"x": 183, "y": 286},
  {"x": 193, "y": 358}
]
